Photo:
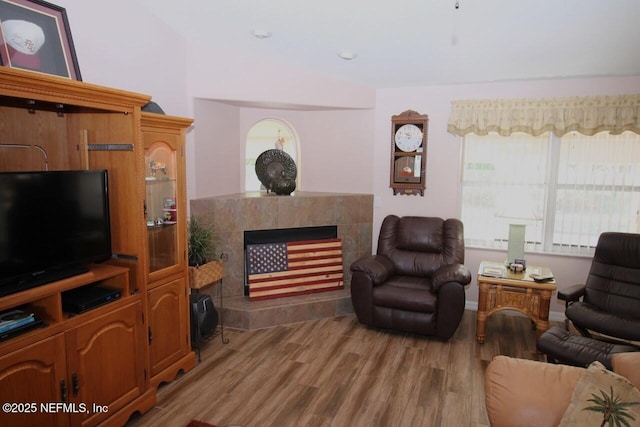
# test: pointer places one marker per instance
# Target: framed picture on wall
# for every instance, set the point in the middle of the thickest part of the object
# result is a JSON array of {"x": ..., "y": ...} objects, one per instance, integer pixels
[{"x": 35, "y": 35}]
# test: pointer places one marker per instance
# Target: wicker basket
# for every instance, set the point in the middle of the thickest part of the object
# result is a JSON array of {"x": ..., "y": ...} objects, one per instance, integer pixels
[{"x": 205, "y": 274}]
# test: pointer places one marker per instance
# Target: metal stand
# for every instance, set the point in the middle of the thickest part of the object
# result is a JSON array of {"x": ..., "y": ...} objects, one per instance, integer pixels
[
  {"x": 198, "y": 339},
  {"x": 220, "y": 316},
  {"x": 222, "y": 338}
]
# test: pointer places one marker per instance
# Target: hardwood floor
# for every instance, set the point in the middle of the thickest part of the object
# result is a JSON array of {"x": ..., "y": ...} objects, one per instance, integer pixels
[{"x": 336, "y": 372}]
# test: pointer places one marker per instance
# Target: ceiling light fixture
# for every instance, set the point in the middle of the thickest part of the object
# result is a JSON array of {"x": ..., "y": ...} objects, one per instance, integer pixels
[
  {"x": 347, "y": 54},
  {"x": 260, "y": 33}
]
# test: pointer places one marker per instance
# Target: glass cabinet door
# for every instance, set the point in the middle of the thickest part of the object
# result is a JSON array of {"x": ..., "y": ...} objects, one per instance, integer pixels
[{"x": 161, "y": 208}]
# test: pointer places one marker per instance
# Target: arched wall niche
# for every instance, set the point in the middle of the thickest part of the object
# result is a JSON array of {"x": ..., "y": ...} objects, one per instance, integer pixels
[{"x": 268, "y": 134}]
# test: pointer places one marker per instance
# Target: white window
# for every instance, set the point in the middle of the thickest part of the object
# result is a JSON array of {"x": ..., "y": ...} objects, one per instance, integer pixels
[{"x": 566, "y": 190}]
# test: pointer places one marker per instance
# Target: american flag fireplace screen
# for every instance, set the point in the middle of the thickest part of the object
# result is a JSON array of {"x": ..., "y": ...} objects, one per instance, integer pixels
[{"x": 289, "y": 266}]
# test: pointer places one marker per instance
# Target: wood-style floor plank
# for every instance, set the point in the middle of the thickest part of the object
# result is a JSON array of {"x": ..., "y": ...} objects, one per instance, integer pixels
[{"x": 336, "y": 372}]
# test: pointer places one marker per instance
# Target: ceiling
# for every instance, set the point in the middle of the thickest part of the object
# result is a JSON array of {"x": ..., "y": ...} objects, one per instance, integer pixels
[{"x": 422, "y": 42}]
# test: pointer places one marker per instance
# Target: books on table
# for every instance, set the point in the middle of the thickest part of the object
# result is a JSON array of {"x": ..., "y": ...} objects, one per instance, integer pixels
[{"x": 493, "y": 270}]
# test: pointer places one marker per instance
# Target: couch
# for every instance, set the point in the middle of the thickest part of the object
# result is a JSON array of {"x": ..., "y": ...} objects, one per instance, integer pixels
[{"x": 521, "y": 392}]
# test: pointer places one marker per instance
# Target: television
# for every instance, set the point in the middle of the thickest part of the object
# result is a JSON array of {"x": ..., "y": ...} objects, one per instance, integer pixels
[{"x": 53, "y": 224}]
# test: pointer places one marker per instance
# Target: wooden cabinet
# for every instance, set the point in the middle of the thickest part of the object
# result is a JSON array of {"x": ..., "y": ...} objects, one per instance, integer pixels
[
  {"x": 165, "y": 195},
  {"x": 75, "y": 362},
  {"x": 166, "y": 236},
  {"x": 97, "y": 371},
  {"x": 167, "y": 341},
  {"x": 117, "y": 354},
  {"x": 34, "y": 374}
]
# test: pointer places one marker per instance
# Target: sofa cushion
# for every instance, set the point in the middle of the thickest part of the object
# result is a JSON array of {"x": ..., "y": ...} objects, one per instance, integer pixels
[
  {"x": 627, "y": 365},
  {"x": 593, "y": 394},
  {"x": 528, "y": 393}
]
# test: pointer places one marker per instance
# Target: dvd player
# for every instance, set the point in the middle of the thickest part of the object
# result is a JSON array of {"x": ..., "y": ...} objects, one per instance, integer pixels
[{"x": 85, "y": 298}]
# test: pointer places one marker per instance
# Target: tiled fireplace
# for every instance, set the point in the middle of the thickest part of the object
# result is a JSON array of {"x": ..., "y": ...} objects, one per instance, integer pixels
[{"x": 232, "y": 215}]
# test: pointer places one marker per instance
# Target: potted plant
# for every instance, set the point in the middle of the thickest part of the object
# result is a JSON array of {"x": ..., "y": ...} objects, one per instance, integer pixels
[{"x": 204, "y": 267}]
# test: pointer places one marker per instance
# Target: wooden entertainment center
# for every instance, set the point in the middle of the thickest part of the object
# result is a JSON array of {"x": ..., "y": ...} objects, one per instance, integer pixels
[{"x": 101, "y": 366}]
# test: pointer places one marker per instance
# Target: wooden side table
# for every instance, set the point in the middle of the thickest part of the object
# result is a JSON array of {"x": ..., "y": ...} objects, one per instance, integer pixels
[{"x": 513, "y": 291}]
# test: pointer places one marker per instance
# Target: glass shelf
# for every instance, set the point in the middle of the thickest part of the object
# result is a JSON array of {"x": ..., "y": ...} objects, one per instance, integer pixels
[{"x": 161, "y": 211}]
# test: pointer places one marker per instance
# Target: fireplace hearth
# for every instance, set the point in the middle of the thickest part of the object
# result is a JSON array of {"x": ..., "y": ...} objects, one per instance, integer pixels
[{"x": 351, "y": 215}]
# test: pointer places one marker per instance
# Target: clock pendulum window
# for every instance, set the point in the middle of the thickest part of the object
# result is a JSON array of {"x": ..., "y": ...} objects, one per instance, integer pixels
[{"x": 409, "y": 153}]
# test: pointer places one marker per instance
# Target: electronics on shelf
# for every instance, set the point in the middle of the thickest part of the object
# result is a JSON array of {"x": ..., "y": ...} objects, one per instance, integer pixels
[
  {"x": 15, "y": 322},
  {"x": 85, "y": 298}
]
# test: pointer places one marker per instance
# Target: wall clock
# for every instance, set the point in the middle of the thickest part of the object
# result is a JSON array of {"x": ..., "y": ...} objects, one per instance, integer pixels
[
  {"x": 409, "y": 152},
  {"x": 408, "y": 138}
]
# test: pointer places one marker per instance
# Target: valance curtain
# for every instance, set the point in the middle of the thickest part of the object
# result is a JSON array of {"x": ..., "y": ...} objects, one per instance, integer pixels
[{"x": 587, "y": 115}]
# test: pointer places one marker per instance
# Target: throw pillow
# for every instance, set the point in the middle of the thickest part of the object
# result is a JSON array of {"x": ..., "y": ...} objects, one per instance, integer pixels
[{"x": 602, "y": 397}]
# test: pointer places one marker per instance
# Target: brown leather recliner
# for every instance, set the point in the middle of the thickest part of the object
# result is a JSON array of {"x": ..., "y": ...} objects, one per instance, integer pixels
[
  {"x": 610, "y": 302},
  {"x": 415, "y": 282}
]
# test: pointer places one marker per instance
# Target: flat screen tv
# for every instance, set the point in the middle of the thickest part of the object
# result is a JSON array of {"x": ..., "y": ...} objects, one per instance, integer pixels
[{"x": 52, "y": 225}]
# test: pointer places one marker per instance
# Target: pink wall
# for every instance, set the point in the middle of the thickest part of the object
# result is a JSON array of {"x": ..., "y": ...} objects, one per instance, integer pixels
[
  {"x": 221, "y": 74},
  {"x": 344, "y": 127},
  {"x": 443, "y": 162},
  {"x": 335, "y": 148},
  {"x": 348, "y": 151},
  {"x": 214, "y": 151},
  {"x": 119, "y": 44}
]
